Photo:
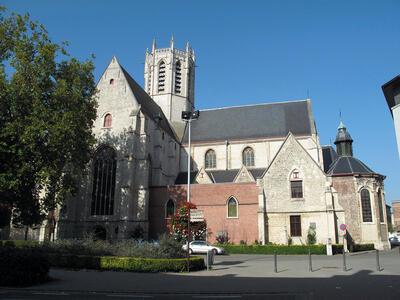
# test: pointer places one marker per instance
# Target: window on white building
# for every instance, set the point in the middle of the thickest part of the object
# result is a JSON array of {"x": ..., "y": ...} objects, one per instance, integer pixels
[
  {"x": 248, "y": 157},
  {"x": 210, "y": 160}
]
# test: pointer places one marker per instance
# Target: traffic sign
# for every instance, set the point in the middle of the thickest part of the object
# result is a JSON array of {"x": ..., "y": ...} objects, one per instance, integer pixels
[{"x": 342, "y": 227}]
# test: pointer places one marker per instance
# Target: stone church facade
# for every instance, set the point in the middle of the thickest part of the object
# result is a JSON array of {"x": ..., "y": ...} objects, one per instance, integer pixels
[{"x": 259, "y": 172}]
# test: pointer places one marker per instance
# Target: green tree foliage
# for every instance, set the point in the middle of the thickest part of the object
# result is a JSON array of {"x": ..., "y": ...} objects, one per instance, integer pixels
[{"x": 47, "y": 109}]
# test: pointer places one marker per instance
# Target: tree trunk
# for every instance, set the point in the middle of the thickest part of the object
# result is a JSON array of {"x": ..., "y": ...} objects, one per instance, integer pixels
[{"x": 26, "y": 232}]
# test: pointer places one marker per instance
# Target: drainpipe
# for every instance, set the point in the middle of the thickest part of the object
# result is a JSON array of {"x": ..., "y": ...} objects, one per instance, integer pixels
[{"x": 226, "y": 154}]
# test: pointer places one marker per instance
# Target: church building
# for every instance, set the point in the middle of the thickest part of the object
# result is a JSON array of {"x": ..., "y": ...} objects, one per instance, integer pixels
[{"x": 259, "y": 172}]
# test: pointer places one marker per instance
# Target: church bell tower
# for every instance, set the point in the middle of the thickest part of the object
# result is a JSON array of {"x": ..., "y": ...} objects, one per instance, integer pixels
[{"x": 169, "y": 79}]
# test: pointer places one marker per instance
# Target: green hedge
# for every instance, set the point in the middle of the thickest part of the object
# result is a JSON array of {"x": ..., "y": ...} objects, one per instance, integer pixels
[
  {"x": 270, "y": 249},
  {"x": 338, "y": 249},
  {"x": 22, "y": 267},
  {"x": 19, "y": 243},
  {"x": 131, "y": 264}
]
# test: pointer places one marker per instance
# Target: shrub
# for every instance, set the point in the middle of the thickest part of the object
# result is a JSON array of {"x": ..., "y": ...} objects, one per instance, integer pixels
[
  {"x": 338, "y": 249},
  {"x": 311, "y": 236},
  {"x": 361, "y": 247},
  {"x": 222, "y": 237},
  {"x": 169, "y": 248},
  {"x": 270, "y": 249},
  {"x": 166, "y": 248},
  {"x": 22, "y": 267},
  {"x": 132, "y": 264}
]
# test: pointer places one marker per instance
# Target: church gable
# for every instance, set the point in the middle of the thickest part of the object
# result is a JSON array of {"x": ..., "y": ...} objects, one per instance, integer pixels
[
  {"x": 294, "y": 181},
  {"x": 116, "y": 101},
  {"x": 202, "y": 177},
  {"x": 243, "y": 176}
]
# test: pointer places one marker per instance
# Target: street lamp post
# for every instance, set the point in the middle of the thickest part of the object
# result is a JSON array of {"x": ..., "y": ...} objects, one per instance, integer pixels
[{"x": 188, "y": 116}]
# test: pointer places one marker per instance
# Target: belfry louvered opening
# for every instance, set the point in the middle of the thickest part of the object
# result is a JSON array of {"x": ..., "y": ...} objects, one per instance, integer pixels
[
  {"x": 178, "y": 77},
  {"x": 161, "y": 76}
]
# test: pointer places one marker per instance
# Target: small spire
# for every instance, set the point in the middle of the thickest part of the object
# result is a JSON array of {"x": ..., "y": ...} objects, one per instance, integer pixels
[
  {"x": 187, "y": 47},
  {"x": 172, "y": 42},
  {"x": 153, "y": 47},
  {"x": 341, "y": 125}
]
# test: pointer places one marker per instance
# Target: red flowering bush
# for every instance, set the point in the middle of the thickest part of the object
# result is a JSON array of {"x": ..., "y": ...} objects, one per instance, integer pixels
[{"x": 178, "y": 226}]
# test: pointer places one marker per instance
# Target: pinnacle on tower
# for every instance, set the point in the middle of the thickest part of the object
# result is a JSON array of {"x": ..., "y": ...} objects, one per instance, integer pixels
[
  {"x": 343, "y": 141},
  {"x": 153, "y": 47},
  {"x": 172, "y": 42}
]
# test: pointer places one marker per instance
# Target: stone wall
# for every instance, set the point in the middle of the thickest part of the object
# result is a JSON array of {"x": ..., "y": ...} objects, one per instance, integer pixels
[
  {"x": 145, "y": 154},
  {"x": 396, "y": 215},
  {"x": 312, "y": 207}
]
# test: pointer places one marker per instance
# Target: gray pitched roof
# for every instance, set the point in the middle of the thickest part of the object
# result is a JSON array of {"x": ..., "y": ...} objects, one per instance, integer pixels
[
  {"x": 148, "y": 106},
  {"x": 347, "y": 165},
  {"x": 253, "y": 121},
  {"x": 218, "y": 176},
  {"x": 329, "y": 155}
]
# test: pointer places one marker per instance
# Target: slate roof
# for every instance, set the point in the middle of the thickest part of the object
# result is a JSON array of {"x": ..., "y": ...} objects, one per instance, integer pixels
[
  {"x": 218, "y": 176},
  {"x": 253, "y": 121},
  {"x": 329, "y": 155},
  {"x": 182, "y": 177},
  {"x": 347, "y": 165},
  {"x": 149, "y": 107}
]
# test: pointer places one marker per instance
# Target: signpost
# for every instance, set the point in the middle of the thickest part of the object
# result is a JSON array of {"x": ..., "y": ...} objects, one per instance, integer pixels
[{"x": 342, "y": 228}]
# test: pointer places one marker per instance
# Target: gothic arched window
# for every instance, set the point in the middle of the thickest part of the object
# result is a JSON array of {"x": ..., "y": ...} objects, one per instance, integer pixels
[
  {"x": 248, "y": 157},
  {"x": 210, "y": 160},
  {"x": 104, "y": 171},
  {"x": 161, "y": 76},
  {"x": 170, "y": 209},
  {"x": 107, "y": 120},
  {"x": 178, "y": 77},
  {"x": 296, "y": 185},
  {"x": 366, "y": 206},
  {"x": 232, "y": 205}
]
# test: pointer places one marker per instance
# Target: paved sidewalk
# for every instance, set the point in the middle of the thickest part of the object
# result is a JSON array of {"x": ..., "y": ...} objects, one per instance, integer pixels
[{"x": 243, "y": 276}]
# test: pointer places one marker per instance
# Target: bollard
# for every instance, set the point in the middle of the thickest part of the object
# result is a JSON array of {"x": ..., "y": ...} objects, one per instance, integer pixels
[
  {"x": 344, "y": 260},
  {"x": 309, "y": 261},
  {"x": 275, "y": 263},
  {"x": 378, "y": 265}
]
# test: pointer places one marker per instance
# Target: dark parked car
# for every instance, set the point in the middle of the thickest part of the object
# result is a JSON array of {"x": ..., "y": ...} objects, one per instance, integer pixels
[{"x": 394, "y": 241}]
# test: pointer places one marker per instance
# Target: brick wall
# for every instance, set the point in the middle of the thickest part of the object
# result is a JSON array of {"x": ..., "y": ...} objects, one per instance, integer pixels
[{"x": 212, "y": 199}]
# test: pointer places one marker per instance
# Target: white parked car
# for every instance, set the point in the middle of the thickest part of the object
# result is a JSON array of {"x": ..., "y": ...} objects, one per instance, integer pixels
[{"x": 202, "y": 247}]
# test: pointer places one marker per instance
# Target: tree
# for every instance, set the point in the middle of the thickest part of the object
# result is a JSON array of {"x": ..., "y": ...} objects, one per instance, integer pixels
[
  {"x": 178, "y": 226},
  {"x": 47, "y": 110}
]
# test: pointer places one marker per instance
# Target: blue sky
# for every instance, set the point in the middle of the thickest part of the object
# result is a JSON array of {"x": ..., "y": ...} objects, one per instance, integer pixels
[{"x": 337, "y": 52}]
